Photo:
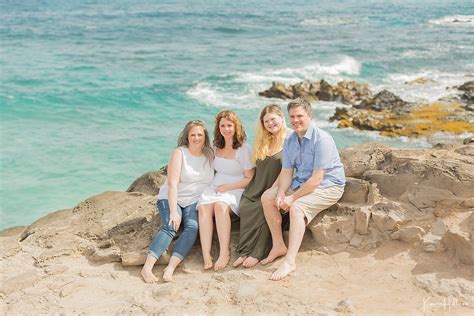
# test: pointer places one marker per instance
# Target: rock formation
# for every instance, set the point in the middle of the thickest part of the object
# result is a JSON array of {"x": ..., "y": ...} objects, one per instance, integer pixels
[
  {"x": 420, "y": 120},
  {"x": 385, "y": 112},
  {"x": 383, "y": 101},
  {"x": 406, "y": 215},
  {"x": 149, "y": 183},
  {"x": 405, "y": 195},
  {"x": 468, "y": 95},
  {"x": 347, "y": 92}
]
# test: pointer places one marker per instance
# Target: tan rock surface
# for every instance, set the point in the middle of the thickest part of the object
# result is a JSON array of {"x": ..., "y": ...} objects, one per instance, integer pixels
[{"x": 87, "y": 260}]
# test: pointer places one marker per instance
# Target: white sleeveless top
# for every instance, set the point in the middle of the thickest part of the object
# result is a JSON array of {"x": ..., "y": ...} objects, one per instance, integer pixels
[
  {"x": 228, "y": 171},
  {"x": 196, "y": 174}
]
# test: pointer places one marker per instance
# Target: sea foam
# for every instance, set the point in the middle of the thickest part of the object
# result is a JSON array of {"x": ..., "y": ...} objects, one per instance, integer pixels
[
  {"x": 218, "y": 96},
  {"x": 441, "y": 86},
  {"x": 454, "y": 20},
  {"x": 327, "y": 21},
  {"x": 241, "y": 89},
  {"x": 346, "y": 65}
]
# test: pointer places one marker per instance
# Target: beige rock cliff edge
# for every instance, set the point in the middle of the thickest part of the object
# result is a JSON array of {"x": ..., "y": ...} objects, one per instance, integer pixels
[{"x": 400, "y": 241}]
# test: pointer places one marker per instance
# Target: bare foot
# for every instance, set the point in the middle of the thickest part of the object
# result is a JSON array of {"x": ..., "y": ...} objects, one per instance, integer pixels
[
  {"x": 250, "y": 262},
  {"x": 168, "y": 274},
  {"x": 275, "y": 253},
  {"x": 239, "y": 261},
  {"x": 148, "y": 276},
  {"x": 208, "y": 263},
  {"x": 283, "y": 270},
  {"x": 221, "y": 262}
]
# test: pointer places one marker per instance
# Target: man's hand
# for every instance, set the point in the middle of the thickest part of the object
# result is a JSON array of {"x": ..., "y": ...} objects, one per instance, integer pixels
[
  {"x": 287, "y": 202},
  {"x": 278, "y": 200}
]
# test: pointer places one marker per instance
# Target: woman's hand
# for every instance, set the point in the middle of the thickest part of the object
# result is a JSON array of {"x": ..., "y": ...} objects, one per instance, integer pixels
[
  {"x": 175, "y": 221},
  {"x": 223, "y": 188}
]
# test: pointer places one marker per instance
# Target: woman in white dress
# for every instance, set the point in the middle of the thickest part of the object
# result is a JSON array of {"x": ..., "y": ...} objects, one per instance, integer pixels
[
  {"x": 190, "y": 171},
  {"x": 234, "y": 170}
]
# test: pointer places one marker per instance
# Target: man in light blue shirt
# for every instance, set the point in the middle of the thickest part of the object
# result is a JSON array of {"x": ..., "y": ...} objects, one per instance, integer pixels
[{"x": 312, "y": 156}]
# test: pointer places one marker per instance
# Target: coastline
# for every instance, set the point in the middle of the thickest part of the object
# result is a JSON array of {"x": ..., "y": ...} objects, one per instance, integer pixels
[
  {"x": 399, "y": 241},
  {"x": 95, "y": 94}
]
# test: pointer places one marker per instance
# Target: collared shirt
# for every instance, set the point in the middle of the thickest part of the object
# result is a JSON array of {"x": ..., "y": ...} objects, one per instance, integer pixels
[{"x": 316, "y": 150}]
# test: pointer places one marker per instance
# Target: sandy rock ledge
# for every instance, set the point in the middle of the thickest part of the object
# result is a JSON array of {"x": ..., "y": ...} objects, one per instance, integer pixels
[{"x": 400, "y": 241}]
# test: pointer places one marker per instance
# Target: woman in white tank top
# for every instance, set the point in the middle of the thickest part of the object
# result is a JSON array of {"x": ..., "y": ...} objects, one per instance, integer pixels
[{"x": 190, "y": 171}]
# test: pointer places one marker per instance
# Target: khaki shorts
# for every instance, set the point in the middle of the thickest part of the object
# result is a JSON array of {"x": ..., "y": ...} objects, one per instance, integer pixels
[{"x": 312, "y": 203}]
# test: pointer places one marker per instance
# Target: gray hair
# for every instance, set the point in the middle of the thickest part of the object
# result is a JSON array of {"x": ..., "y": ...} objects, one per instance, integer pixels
[{"x": 183, "y": 139}]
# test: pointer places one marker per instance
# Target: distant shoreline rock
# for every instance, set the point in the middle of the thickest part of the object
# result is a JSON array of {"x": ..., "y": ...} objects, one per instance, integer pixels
[
  {"x": 385, "y": 112},
  {"x": 347, "y": 92}
]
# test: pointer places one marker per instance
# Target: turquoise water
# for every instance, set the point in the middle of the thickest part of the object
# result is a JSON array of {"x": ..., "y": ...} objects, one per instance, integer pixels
[{"x": 93, "y": 94}]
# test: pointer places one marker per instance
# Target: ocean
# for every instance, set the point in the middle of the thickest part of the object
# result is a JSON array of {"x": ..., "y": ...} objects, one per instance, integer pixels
[{"x": 94, "y": 93}]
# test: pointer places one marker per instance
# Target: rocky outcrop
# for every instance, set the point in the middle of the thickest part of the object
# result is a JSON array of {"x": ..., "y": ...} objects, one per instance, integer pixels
[
  {"x": 468, "y": 96},
  {"x": 149, "y": 183},
  {"x": 418, "y": 196},
  {"x": 403, "y": 119},
  {"x": 383, "y": 101},
  {"x": 405, "y": 219},
  {"x": 110, "y": 227},
  {"x": 385, "y": 112},
  {"x": 400, "y": 194},
  {"x": 347, "y": 92},
  {"x": 391, "y": 194}
]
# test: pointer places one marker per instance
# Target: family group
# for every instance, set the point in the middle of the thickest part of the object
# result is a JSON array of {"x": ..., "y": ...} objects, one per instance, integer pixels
[{"x": 295, "y": 173}]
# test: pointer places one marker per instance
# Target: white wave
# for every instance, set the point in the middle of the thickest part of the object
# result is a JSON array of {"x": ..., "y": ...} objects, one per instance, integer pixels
[
  {"x": 212, "y": 95},
  {"x": 345, "y": 66},
  {"x": 244, "y": 87},
  {"x": 330, "y": 106},
  {"x": 439, "y": 50},
  {"x": 413, "y": 53},
  {"x": 454, "y": 20},
  {"x": 324, "y": 124},
  {"x": 439, "y": 87},
  {"x": 327, "y": 21}
]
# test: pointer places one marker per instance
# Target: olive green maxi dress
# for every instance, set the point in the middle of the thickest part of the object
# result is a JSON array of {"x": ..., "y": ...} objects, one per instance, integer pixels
[{"x": 255, "y": 238}]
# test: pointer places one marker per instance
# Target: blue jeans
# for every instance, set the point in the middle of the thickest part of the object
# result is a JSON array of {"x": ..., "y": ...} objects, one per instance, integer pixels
[{"x": 162, "y": 240}]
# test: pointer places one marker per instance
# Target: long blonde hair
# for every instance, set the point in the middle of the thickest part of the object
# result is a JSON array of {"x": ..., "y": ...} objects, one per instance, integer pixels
[
  {"x": 183, "y": 140},
  {"x": 264, "y": 140}
]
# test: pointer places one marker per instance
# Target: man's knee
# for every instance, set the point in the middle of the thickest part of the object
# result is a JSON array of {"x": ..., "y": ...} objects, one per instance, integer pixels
[{"x": 296, "y": 212}]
